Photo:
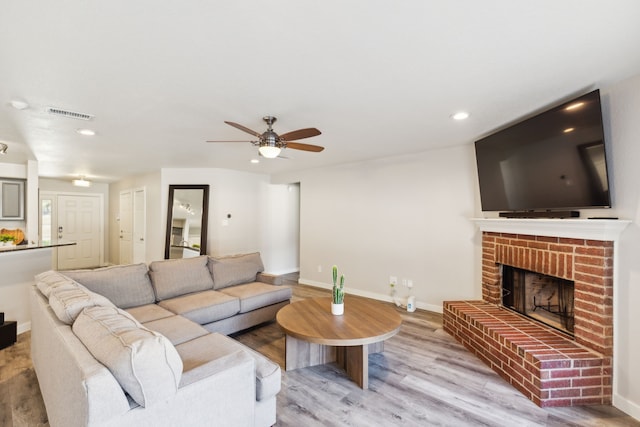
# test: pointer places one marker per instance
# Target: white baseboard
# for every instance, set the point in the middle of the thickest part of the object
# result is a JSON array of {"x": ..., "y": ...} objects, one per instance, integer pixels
[
  {"x": 23, "y": 327},
  {"x": 281, "y": 272},
  {"x": 373, "y": 295},
  {"x": 626, "y": 406}
]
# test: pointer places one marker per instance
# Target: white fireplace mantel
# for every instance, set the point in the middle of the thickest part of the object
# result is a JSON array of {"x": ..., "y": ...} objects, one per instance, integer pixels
[{"x": 592, "y": 229}]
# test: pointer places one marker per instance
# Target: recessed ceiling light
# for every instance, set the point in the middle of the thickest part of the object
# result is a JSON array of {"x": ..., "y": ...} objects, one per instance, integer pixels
[
  {"x": 460, "y": 115},
  {"x": 86, "y": 132},
  {"x": 19, "y": 105},
  {"x": 567, "y": 130},
  {"x": 255, "y": 161},
  {"x": 574, "y": 106}
]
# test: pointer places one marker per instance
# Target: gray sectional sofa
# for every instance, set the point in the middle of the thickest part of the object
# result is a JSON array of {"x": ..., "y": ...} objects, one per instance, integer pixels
[{"x": 147, "y": 346}]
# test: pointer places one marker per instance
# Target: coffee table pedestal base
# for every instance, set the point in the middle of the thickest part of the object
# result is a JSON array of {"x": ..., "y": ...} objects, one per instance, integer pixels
[{"x": 353, "y": 359}]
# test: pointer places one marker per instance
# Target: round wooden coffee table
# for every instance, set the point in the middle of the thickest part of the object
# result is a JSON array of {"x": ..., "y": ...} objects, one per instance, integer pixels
[{"x": 314, "y": 336}]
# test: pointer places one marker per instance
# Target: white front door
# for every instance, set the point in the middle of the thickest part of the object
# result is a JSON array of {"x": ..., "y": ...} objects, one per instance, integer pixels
[{"x": 79, "y": 220}]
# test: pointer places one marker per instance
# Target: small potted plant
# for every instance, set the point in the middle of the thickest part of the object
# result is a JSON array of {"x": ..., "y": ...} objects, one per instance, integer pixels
[
  {"x": 6, "y": 240},
  {"x": 337, "y": 303}
]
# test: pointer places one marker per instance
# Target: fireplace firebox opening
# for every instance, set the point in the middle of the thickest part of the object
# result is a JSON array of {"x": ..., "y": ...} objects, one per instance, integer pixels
[{"x": 547, "y": 299}]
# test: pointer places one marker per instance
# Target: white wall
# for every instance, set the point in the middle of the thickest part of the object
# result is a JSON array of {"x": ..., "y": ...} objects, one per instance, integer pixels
[
  {"x": 621, "y": 106},
  {"x": 281, "y": 236},
  {"x": 230, "y": 193},
  {"x": 18, "y": 269},
  {"x": 406, "y": 216},
  {"x": 258, "y": 211}
]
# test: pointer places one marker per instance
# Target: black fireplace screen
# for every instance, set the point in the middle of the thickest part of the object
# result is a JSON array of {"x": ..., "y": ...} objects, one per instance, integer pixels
[{"x": 544, "y": 298}]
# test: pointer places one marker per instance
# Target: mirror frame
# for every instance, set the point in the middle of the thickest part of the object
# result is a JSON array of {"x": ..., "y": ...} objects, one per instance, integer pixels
[{"x": 203, "y": 221}]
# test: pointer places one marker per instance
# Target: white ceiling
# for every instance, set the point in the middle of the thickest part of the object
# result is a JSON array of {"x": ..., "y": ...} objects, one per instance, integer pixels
[{"x": 378, "y": 78}]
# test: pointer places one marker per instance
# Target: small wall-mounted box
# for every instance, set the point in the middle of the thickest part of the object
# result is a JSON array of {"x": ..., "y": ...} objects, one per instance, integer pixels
[{"x": 8, "y": 334}]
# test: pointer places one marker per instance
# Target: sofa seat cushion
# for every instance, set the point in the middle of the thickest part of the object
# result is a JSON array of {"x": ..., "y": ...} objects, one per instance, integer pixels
[
  {"x": 177, "y": 329},
  {"x": 68, "y": 303},
  {"x": 124, "y": 285},
  {"x": 200, "y": 351},
  {"x": 235, "y": 270},
  {"x": 203, "y": 307},
  {"x": 149, "y": 313},
  {"x": 257, "y": 295},
  {"x": 174, "y": 277},
  {"x": 144, "y": 362}
]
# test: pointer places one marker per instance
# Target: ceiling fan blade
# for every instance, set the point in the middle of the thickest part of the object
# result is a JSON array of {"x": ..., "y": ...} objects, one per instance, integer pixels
[
  {"x": 300, "y": 134},
  {"x": 244, "y": 129},
  {"x": 304, "y": 147}
]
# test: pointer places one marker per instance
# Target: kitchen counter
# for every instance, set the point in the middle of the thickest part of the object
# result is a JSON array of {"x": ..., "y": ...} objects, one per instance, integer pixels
[{"x": 30, "y": 246}]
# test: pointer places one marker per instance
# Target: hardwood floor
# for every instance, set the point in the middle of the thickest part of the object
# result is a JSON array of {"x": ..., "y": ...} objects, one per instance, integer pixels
[{"x": 423, "y": 378}]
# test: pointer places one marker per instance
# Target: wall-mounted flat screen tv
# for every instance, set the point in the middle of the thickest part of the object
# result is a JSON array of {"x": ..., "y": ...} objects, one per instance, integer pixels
[{"x": 553, "y": 161}]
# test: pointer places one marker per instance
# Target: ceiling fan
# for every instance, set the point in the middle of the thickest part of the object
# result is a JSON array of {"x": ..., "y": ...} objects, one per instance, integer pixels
[{"x": 270, "y": 143}]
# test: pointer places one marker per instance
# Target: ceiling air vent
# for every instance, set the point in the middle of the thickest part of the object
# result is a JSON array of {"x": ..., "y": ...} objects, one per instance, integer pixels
[{"x": 70, "y": 114}]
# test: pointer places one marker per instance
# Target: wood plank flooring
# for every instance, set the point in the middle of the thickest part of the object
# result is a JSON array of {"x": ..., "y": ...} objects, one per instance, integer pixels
[{"x": 423, "y": 378}]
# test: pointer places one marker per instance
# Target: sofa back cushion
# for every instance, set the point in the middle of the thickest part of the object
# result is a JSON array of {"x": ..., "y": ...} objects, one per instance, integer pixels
[
  {"x": 234, "y": 270},
  {"x": 125, "y": 285},
  {"x": 145, "y": 363},
  {"x": 175, "y": 277},
  {"x": 68, "y": 302}
]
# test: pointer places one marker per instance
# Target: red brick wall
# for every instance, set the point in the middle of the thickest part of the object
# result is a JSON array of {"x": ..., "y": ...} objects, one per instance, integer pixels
[
  {"x": 545, "y": 365},
  {"x": 589, "y": 263}
]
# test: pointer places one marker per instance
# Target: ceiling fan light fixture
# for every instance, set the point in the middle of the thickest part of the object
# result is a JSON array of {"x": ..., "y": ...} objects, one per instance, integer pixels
[{"x": 269, "y": 151}]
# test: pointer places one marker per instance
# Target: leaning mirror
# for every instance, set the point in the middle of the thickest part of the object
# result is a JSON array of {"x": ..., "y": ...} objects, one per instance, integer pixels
[{"x": 188, "y": 210}]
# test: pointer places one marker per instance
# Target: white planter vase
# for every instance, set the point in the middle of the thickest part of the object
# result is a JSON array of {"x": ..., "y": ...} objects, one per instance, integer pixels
[{"x": 337, "y": 309}]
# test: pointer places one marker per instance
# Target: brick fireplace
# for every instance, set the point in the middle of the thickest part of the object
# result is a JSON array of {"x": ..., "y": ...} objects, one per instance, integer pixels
[{"x": 551, "y": 368}]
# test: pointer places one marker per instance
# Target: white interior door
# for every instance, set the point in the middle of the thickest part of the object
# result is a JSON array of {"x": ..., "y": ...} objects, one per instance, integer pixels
[
  {"x": 79, "y": 220},
  {"x": 139, "y": 225},
  {"x": 126, "y": 227}
]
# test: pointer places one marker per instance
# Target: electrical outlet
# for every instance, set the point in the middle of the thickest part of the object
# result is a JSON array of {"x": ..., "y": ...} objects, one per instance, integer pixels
[
  {"x": 404, "y": 282},
  {"x": 410, "y": 283},
  {"x": 319, "y": 268},
  {"x": 393, "y": 280}
]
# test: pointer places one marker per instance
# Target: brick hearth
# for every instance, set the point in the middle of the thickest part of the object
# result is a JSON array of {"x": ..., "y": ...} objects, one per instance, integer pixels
[{"x": 550, "y": 368}]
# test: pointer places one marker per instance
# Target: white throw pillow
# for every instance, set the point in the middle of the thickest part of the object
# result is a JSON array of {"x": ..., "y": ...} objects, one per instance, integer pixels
[
  {"x": 145, "y": 363},
  {"x": 67, "y": 303},
  {"x": 50, "y": 280}
]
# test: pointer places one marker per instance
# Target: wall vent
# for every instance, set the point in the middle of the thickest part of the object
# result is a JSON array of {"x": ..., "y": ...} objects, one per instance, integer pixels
[{"x": 70, "y": 114}]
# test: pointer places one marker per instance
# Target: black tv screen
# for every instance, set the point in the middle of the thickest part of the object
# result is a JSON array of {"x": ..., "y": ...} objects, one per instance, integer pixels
[{"x": 553, "y": 161}]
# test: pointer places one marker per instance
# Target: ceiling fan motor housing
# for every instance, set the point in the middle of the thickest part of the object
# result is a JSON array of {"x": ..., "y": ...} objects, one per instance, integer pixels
[{"x": 270, "y": 138}]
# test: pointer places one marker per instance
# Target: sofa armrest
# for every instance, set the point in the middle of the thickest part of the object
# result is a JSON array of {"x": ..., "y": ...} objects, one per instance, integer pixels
[
  {"x": 270, "y": 279},
  {"x": 235, "y": 360}
]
